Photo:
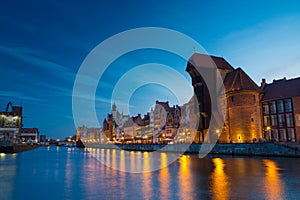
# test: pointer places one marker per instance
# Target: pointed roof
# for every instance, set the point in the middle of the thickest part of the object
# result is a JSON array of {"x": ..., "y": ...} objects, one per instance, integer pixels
[
  {"x": 114, "y": 107},
  {"x": 238, "y": 80},
  {"x": 204, "y": 60},
  {"x": 282, "y": 88},
  {"x": 165, "y": 105}
]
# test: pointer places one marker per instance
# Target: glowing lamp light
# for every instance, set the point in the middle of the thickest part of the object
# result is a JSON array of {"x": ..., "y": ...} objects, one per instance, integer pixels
[{"x": 239, "y": 137}]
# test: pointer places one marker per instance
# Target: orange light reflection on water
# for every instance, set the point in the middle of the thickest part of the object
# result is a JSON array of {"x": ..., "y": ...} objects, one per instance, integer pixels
[
  {"x": 147, "y": 177},
  {"x": 164, "y": 177},
  {"x": 274, "y": 187},
  {"x": 122, "y": 160},
  {"x": 107, "y": 158},
  {"x": 114, "y": 159},
  {"x": 220, "y": 184},
  {"x": 185, "y": 178}
]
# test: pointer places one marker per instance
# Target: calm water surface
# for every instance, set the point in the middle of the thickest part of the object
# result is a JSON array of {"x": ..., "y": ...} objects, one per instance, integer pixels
[{"x": 70, "y": 173}]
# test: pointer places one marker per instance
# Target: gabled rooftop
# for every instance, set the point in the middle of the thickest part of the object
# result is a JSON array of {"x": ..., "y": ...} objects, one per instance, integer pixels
[
  {"x": 165, "y": 105},
  {"x": 239, "y": 80}
]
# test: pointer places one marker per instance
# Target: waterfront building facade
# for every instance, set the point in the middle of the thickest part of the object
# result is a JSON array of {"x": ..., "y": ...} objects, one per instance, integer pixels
[
  {"x": 10, "y": 124},
  {"x": 30, "y": 135},
  {"x": 91, "y": 135},
  {"x": 243, "y": 113},
  {"x": 270, "y": 112},
  {"x": 241, "y": 99},
  {"x": 166, "y": 121},
  {"x": 281, "y": 110}
]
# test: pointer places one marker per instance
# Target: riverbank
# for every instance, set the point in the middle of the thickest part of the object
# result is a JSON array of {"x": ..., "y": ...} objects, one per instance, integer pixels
[
  {"x": 243, "y": 149},
  {"x": 17, "y": 148}
]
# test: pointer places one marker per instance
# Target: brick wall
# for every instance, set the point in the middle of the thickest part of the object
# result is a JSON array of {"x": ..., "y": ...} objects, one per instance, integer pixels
[
  {"x": 296, "y": 106},
  {"x": 243, "y": 121}
]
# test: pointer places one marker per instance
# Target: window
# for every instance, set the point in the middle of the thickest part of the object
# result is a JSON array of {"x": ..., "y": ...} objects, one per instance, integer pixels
[
  {"x": 288, "y": 105},
  {"x": 274, "y": 120},
  {"x": 281, "y": 120},
  {"x": 273, "y": 107},
  {"x": 291, "y": 135},
  {"x": 282, "y": 134},
  {"x": 266, "y": 121},
  {"x": 280, "y": 106},
  {"x": 266, "y": 108},
  {"x": 275, "y": 134},
  {"x": 232, "y": 98},
  {"x": 289, "y": 120}
]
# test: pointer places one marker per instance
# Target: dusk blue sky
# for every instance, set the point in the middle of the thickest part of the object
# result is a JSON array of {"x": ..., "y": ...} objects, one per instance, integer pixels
[{"x": 43, "y": 43}]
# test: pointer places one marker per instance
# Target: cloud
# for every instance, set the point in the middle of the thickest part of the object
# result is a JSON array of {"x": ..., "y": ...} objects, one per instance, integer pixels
[
  {"x": 35, "y": 58},
  {"x": 266, "y": 48},
  {"x": 54, "y": 88},
  {"x": 20, "y": 96}
]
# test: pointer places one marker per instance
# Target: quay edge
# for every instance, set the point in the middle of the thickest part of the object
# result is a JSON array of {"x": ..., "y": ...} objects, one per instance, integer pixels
[
  {"x": 235, "y": 149},
  {"x": 17, "y": 148}
]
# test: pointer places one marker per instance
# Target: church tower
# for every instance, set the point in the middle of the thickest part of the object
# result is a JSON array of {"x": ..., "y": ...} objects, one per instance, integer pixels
[{"x": 114, "y": 111}]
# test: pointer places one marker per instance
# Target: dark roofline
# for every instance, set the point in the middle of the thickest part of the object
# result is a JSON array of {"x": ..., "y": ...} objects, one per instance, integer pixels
[
  {"x": 284, "y": 79},
  {"x": 281, "y": 89},
  {"x": 215, "y": 59}
]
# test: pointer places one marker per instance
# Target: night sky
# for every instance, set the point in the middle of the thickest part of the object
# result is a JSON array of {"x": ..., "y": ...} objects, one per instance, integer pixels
[{"x": 43, "y": 44}]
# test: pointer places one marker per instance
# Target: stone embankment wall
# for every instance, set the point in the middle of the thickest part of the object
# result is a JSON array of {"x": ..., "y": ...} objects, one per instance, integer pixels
[{"x": 243, "y": 149}]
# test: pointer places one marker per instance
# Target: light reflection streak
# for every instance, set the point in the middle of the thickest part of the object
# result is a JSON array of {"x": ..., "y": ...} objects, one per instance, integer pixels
[
  {"x": 164, "y": 177},
  {"x": 138, "y": 159},
  {"x": 220, "y": 184},
  {"x": 114, "y": 159},
  {"x": 89, "y": 176},
  {"x": 107, "y": 157},
  {"x": 2, "y": 155},
  {"x": 7, "y": 174},
  {"x": 185, "y": 178},
  {"x": 146, "y": 179},
  {"x": 132, "y": 159},
  {"x": 122, "y": 179},
  {"x": 146, "y": 158},
  {"x": 274, "y": 187},
  {"x": 122, "y": 160},
  {"x": 68, "y": 175}
]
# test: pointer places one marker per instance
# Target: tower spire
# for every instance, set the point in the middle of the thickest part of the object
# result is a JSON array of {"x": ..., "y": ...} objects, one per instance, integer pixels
[{"x": 114, "y": 107}]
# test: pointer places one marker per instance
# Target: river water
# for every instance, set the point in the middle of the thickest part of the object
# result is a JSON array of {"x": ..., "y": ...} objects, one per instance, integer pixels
[{"x": 70, "y": 173}]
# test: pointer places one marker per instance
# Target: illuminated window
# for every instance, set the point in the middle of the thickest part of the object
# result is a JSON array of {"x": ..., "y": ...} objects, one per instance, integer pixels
[
  {"x": 266, "y": 121},
  {"x": 282, "y": 134},
  {"x": 291, "y": 134},
  {"x": 273, "y": 107},
  {"x": 274, "y": 120},
  {"x": 280, "y": 106},
  {"x": 281, "y": 120},
  {"x": 275, "y": 134},
  {"x": 266, "y": 108},
  {"x": 289, "y": 120},
  {"x": 288, "y": 105}
]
